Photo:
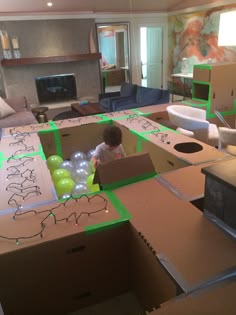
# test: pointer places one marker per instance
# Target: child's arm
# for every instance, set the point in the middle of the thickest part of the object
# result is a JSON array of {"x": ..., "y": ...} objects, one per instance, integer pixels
[
  {"x": 122, "y": 151},
  {"x": 95, "y": 161}
]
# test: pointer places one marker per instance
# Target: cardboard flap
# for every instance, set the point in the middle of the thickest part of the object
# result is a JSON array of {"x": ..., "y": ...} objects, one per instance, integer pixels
[{"x": 125, "y": 168}]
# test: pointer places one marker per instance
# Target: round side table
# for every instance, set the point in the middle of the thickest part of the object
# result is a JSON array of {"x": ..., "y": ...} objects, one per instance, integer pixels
[{"x": 40, "y": 112}]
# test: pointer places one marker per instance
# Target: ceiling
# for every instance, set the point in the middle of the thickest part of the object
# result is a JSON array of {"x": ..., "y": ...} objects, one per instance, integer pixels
[{"x": 21, "y": 7}]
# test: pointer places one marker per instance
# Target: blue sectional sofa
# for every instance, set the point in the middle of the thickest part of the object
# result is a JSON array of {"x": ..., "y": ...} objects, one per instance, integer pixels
[{"x": 132, "y": 96}]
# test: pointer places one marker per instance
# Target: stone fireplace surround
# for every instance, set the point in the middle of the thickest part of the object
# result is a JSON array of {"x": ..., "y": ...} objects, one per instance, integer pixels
[{"x": 62, "y": 38}]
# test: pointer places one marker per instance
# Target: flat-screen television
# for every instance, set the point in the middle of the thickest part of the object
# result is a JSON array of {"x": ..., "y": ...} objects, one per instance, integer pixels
[{"x": 56, "y": 88}]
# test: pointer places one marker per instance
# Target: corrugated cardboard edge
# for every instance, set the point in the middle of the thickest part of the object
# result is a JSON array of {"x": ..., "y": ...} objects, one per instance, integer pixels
[{"x": 124, "y": 168}]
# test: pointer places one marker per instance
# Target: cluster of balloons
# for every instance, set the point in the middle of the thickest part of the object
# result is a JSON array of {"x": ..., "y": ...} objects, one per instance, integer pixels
[{"x": 72, "y": 177}]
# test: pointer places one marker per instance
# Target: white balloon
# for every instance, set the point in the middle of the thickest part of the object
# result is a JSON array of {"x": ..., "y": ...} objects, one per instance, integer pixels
[
  {"x": 80, "y": 189},
  {"x": 85, "y": 165},
  {"x": 67, "y": 165},
  {"x": 90, "y": 154},
  {"x": 79, "y": 175},
  {"x": 77, "y": 156}
]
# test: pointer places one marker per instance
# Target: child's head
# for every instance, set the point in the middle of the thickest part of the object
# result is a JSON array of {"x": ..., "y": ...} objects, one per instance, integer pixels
[{"x": 112, "y": 136}]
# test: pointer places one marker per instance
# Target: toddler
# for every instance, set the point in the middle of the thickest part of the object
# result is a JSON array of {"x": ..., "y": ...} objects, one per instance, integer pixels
[{"x": 111, "y": 148}]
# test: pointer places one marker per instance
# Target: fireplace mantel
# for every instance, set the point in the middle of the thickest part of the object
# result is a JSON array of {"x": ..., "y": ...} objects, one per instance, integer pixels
[{"x": 52, "y": 59}]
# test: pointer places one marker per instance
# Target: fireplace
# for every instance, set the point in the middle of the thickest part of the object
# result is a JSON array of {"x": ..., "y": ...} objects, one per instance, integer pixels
[{"x": 56, "y": 88}]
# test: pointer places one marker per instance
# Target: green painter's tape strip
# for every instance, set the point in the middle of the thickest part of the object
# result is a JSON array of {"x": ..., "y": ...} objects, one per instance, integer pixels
[
  {"x": 129, "y": 181},
  {"x": 1, "y": 159},
  {"x": 139, "y": 144},
  {"x": 105, "y": 121},
  {"x": 52, "y": 124},
  {"x": 42, "y": 153},
  {"x": 120, "y": 208},
  {"x": 45, "y": 131},
  {"x": 203, "y": 66},
  {"x": 57, "y": 143},
  {"x": 140, "y": 112}
]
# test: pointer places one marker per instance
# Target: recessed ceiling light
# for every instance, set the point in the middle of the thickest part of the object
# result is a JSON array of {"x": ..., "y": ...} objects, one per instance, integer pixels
[{"x": 49, "y": 4}]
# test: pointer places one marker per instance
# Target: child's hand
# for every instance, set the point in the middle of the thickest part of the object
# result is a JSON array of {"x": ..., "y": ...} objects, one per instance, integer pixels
[{"x": 96, "y": 162}]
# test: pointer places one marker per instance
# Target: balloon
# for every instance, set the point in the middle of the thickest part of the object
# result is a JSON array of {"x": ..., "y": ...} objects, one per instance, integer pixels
[
  {"x": 90, "y": 154},
  {"x": 67, "y": 165},
  {"x": 79, "y": 189},
  {"x": 92, "y": 167},
  {"x": 77, "y": 156},
  {"x": 79, "y": 175},
  {"x": 92, "y": 187},
  {"x": 65, "y": 196},
  {"x": 64, "y": 186},
  {"x": 59, "y": 174},
  {"x": 53, "y": 162},
  {"x": 84, "y": 164}
]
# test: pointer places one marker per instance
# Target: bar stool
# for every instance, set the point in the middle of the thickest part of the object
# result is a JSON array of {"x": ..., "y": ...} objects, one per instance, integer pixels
[{"x": 40, "y": 112}]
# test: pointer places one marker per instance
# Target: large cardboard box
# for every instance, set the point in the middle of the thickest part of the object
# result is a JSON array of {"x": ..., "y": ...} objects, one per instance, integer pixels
[
  {"x": 182, "y": 238},
  {"x": 69, "y": 268}
]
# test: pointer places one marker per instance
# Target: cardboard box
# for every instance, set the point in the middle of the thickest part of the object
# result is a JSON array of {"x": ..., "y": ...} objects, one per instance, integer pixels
[
  {"x": 180, "y": 182},
  {"x": 129, "y": 168},
  {"x": 182, "y": 238},
  {"x": 161, "y": 252},
  {"x": 69, "y": 269}
]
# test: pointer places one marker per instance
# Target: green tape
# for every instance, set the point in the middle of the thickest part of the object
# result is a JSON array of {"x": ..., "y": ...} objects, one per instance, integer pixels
[
  {"x": 129, "y": 181},
  {"x": 139, "y": 144},
  {"x": 121, "y": 210},
  {"x": 42, "y": 153},
  {"x": 105, "y": 121},
  {"x": 140, "y": 112},
  {"x": 204, "y": 66},
  {"x": 1, "y": 159},
  {"x": 57, "y": 141}
]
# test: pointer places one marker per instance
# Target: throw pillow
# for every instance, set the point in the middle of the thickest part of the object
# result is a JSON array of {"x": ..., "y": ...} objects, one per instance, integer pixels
[{"x": 5, "y": 109}]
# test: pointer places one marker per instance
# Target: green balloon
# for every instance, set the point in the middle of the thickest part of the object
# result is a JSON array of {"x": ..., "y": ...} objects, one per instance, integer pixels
[
  {"x": 64, "y": 186},
  {"x": 59, "y": 174},
  {"x": 54, "y": 162},
  {"x": 92, "y": 187},
  {"x": 92, "y": 167}
]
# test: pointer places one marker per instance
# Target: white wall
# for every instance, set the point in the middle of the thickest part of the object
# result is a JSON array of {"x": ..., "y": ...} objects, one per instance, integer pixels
[{"x": 136, "y": 22}]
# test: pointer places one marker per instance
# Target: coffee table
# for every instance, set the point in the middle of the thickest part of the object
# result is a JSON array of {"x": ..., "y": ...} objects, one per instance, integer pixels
[{"x": 88, "y": 109}]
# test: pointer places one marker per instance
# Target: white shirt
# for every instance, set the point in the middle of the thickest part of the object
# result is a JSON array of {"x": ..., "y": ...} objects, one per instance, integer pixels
[{"x": 104, "y": 154}]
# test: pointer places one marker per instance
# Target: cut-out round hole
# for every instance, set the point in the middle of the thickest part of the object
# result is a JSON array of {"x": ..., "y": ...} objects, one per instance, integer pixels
[{"x": 188, "y": 147}]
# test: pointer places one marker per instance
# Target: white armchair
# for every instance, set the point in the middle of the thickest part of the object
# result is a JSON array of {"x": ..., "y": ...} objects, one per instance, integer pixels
[
  {"x": 191, "y": 122},
  {"x": 227, "y": 140}
]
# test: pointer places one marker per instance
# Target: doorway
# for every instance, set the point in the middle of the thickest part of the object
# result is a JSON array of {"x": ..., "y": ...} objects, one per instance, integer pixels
[
  {"x": 113, "y": 43},
  {"x": 151, "y": 52}
]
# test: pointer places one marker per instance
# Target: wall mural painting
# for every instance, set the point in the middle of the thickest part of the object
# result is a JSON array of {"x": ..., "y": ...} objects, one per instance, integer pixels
[{"x": 194, "y": 36}]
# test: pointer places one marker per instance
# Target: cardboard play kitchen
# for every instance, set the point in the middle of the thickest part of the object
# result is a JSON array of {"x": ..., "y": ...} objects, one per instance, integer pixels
[
  {"x": 208, "y": 86},
  {"x": 137, "y": 237}
]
